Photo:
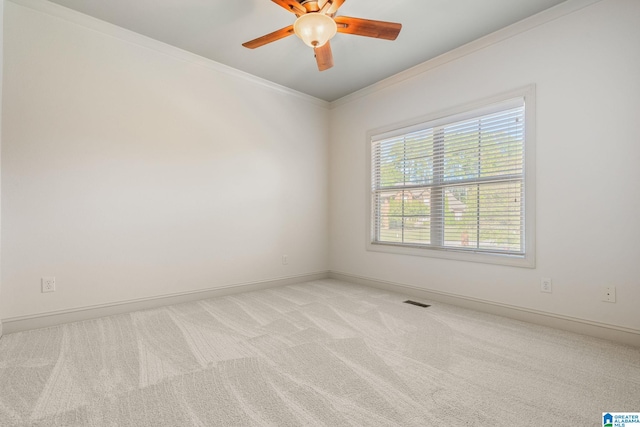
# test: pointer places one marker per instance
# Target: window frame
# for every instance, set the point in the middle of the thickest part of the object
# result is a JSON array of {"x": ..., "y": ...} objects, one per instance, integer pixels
[{"x": 470, "y": 110}]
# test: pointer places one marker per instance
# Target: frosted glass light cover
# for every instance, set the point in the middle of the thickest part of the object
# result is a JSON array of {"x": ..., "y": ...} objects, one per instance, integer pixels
[{"x": 315, "y": 29}]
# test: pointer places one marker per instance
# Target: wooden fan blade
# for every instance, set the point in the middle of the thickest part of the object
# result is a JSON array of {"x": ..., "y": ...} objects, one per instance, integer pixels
[
  {"x": 368, "y": 28},
  {"x": 324, "y": 57},
  {"x": 292, "y": 6},
  {"x": 268, "y": 38},
  {"x": 335, "y": 5}
]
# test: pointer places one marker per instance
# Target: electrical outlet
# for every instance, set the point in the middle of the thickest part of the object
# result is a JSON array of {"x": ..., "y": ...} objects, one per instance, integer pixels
[
  {"x": 48, "y": 284},
  {"x": 285, "y": 259},
  {"x": 545, "y": 284},
  {"x": 609, "y": 294}
]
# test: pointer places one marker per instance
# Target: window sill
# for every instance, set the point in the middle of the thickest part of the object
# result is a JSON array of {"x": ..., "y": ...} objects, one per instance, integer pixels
[{"x": 526, "y": 261}]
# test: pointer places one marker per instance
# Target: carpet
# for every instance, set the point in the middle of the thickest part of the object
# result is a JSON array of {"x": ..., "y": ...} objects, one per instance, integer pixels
[{"x": 322, "y": 353}]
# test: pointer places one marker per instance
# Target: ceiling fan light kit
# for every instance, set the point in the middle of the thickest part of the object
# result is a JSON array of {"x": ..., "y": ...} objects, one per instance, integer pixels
[
  {"x": 315, "y": 29},
  {"x": 316, "y": 24}
]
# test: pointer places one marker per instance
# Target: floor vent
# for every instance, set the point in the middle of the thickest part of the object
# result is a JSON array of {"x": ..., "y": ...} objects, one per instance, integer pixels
[{"x": 419, "y": 304}]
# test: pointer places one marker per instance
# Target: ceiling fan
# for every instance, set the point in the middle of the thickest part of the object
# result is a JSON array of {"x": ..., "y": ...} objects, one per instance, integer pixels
[{"x": 316, "y": 24}]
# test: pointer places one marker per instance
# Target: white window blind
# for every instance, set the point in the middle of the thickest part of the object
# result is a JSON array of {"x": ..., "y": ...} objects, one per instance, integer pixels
[{"x": 454, "y": 184}]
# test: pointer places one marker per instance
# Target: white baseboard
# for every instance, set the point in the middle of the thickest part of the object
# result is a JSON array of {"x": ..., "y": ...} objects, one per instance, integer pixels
[
  {"x": 615, "y": 333},
  {"x": 43, "y": 320},
  {"x": 582, "y": 326}
]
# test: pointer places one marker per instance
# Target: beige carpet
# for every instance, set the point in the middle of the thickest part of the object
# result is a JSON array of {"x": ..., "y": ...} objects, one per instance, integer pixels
[{"x": 320, "y": 353}]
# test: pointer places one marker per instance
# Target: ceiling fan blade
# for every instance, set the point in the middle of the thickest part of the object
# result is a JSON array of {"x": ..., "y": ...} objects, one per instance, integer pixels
[
  {"x": 268, "y": 38},
  {"x": 368, "y": 28},
  {"x": 324, "y": 57},
  {"x": 292, "y": 6},
  {"x": 335, "y": 5}
]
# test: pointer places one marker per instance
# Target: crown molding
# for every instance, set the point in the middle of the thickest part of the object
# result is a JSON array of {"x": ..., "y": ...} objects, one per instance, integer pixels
[
  {"x": 94, "y": 24},
  {"x": 75, "y": 17},
  {"x": 541, "y": 18}
]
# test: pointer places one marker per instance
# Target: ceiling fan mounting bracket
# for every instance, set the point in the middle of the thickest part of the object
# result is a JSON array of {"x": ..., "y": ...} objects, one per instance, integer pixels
[{"x": 309, "y": 5}]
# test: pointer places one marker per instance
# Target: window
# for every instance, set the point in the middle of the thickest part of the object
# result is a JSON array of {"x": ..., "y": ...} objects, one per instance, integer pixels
[{"x": 457, "y": 186}]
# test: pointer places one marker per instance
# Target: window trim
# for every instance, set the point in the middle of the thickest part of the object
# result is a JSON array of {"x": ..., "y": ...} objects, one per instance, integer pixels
[{"x": 458, "y": 113}]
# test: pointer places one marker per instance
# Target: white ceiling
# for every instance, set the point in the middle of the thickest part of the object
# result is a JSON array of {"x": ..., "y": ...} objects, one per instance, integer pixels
[{"x": 215, "y": 29}]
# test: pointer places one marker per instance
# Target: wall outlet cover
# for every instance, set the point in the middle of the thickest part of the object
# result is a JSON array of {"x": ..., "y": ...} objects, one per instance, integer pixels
[
  {"x": 48, "y": 284},
  {"x": 609, "y": 294},
  {"x": 545, "y": 285}
]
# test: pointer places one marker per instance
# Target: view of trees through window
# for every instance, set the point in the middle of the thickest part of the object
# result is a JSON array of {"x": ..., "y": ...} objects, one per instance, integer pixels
[{"x": 459, "y": 185}]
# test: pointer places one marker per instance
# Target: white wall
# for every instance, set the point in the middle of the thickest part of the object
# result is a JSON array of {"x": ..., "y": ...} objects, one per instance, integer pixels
[
  {"x": 129, "y": 173},
  {"x": 586, "y": 67},
  {"x": 1, "y": 72}
]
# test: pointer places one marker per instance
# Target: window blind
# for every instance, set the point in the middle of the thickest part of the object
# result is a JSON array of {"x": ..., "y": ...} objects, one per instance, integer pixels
[{"x": 455, "y": 184}]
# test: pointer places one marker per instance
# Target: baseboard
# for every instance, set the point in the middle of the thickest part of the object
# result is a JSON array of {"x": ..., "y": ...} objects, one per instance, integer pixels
[
  {"x": 582, "y": 326},
  {"x": 43, "y": 320},
  {"x": 615, "y": 333}
]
